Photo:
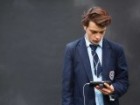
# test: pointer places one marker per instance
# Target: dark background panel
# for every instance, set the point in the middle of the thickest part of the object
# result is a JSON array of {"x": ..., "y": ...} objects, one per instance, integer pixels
[{"x": 33, "y": 35}]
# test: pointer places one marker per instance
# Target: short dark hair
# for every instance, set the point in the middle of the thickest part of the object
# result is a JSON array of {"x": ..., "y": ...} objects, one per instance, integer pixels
[{"x": 98, "y": 15}]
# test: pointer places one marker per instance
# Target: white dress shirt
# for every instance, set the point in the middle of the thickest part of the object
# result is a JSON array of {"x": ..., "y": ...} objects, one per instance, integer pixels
[{"x": 98, "y": 94}]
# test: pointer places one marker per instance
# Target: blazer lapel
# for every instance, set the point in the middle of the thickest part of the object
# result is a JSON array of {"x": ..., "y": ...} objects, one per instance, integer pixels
[
  {"x": 85, "y": 58},
  {"x": 106, "y": 58}
]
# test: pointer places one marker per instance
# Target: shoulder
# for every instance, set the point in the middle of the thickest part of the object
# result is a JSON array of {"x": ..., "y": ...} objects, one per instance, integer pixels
[
  {"x": 74, "y": 44},
  {"x": 71, "y": 47},
  {"x": 113, "y": 45}
]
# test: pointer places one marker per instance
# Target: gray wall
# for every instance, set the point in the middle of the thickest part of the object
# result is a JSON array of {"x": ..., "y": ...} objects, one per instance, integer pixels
[{"x": 33, "y": 34}]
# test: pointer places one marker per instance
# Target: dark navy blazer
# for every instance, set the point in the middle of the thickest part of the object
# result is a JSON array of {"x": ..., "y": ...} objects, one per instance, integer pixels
[{"x": 77, "y": 72}]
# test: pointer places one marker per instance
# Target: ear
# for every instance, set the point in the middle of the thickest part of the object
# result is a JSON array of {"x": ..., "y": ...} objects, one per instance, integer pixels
[{"x": 85, "y": 28}]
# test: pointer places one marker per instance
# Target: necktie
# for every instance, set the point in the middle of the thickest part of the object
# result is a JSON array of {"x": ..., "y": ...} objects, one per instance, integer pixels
[{"x": 96, "y": 61}]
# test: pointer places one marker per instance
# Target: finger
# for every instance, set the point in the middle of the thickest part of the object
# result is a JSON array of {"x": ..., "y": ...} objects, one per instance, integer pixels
[
  {"x": 109, "y": 89},
  {"x": 106, "y": 90},
  {"x": 107, "y": 85},
  {"x": 98, "y": 87},
  {"x": 112, "y": 88},
  {"x": 103, "y": 90}
]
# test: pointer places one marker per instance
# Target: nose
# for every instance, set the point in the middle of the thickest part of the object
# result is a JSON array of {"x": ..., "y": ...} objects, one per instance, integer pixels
[{"x": 98, "y": 36}]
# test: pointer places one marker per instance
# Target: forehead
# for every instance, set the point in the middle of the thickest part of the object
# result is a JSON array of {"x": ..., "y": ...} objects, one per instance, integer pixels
[{"x": 93, "y": 26}]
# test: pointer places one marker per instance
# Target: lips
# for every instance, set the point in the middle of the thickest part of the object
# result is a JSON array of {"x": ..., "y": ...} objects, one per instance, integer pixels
[{"x": 95, "y": 42}]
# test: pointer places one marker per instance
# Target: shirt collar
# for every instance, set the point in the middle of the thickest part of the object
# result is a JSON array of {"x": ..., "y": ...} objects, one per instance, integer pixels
[{"x": 88, "y": 42}]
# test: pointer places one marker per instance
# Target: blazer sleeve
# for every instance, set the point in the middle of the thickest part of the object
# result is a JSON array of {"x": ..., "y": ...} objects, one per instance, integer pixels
[
  {"x": 121, "y": 82},
  {"x": 67, "y": 77}
]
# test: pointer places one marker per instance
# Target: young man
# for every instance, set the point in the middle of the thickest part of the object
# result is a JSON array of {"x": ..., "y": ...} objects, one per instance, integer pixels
[{"x": 94, "y": 58}]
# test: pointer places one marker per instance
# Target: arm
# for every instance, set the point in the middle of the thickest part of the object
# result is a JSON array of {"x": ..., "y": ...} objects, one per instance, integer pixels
[
  {"x": 120, "y": 84},
  {"x": 67, "y": 78}
]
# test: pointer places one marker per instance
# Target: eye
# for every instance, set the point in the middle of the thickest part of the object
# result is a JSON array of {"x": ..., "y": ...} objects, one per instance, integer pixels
[
  {"x": 94, "y": 32},
  {"x": 101, "y": 32}
]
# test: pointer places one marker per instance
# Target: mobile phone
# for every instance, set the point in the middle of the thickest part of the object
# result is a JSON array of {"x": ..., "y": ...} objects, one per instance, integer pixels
[{"x": 99, "y": 83}]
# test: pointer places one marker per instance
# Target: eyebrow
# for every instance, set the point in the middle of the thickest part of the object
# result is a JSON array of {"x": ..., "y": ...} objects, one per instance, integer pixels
[{"x": 97, "y": 31}]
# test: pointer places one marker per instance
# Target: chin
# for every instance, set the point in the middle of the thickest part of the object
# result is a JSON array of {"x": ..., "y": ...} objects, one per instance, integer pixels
[{"x": 95, "y": 42}]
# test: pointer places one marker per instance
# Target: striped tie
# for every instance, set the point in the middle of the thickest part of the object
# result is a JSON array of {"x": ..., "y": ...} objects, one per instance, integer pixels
[{"x": 96, "y": 61}]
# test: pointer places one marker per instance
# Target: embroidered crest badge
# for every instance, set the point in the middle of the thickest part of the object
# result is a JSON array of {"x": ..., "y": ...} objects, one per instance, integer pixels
[{"x": 111, "y": 74}]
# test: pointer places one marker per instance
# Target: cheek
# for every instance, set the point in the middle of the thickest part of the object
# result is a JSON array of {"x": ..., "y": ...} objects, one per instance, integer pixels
[{"x": 92, "y": 36}]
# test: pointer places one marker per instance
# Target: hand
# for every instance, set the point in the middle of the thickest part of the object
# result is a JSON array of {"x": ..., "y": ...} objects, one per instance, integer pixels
[{"x": 107, "y": 89}]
